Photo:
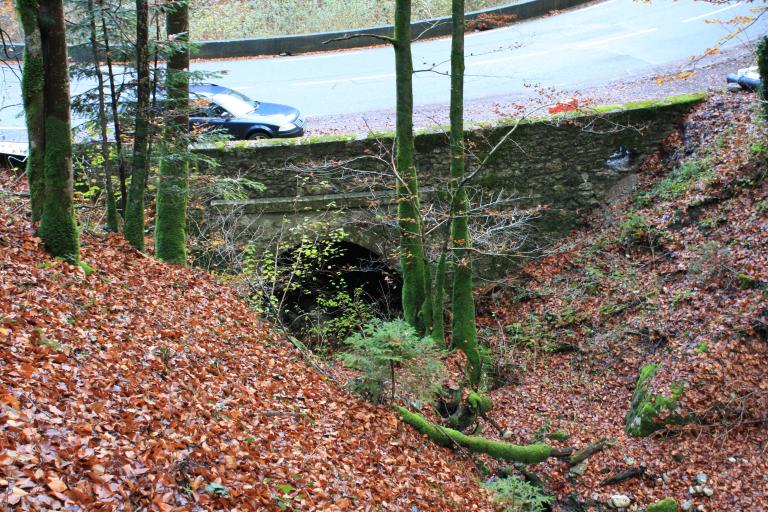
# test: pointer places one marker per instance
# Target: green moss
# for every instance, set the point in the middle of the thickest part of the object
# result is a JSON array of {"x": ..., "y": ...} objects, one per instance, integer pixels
[
  {"x": 58, "y": 228},
  {"x": 650, "y": 412},
  {"x": 665, "y": 505},
  {"x": 480, "y": 403},
  {"x": 530, "y": 454},
  {"x": 558, "y": 435}
]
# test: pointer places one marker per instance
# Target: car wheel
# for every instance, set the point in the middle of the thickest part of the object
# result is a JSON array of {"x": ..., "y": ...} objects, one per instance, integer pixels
[{"x": 258, "y": 136}]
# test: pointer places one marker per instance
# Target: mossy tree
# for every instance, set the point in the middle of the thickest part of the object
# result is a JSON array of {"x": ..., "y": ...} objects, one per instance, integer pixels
[
  {"x": 416, "y": 309},
  {"x": 173, "y": 180},
  {"x": 32, "y": 84},
  {"x": 134, "y": 210},
  {"x": 463, "y": 328},
  {"x": 46, "y": 95}
]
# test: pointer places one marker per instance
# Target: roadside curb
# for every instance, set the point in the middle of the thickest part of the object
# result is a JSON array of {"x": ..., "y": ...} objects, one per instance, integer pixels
[{"x": 303, "y": 43}]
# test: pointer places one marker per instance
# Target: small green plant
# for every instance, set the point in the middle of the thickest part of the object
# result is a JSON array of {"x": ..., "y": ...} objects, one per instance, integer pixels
[
  {"x": 636, "y": 231},
  {"x": 702, "y": 348},
  {"x": 515, "y": 495},
  {"x": 684, "y": 178},
  {"x": 391, "y": 357}
]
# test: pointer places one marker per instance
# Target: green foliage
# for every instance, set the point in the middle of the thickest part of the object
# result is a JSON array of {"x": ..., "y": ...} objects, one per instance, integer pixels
[
  {"x": 391, "y": 356},
  {"x": 515, "y": 495},
  {"x": 702, "y": 348},
  {"x": 684, "y": 178},
  {"x": 636, "y": 231}
]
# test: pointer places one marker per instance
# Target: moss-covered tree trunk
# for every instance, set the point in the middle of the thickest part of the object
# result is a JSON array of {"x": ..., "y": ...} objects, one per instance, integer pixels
[
  {"x": 408, "y": 211},
  {"x": 32, "y": 83},
  {"x": 58, "y": 229},
  {"x": 463, "y": 329},
  {"x": 762, "y": 66},
  {"x": 172, "y": 187},
  {"x": 134, "y": 210},
  {"x": 112, "y": 221}
]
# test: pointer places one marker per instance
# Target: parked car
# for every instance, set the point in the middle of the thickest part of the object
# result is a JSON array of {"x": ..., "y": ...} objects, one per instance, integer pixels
[{"x": 217, "y": 107}]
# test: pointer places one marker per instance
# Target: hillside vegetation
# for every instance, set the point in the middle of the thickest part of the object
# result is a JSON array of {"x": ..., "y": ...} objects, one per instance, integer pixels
[{"x": 650, "y": 328}]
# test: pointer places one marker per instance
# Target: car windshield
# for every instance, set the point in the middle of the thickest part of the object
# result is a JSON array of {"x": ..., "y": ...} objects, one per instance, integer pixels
[{"x": 234, "y": 105}]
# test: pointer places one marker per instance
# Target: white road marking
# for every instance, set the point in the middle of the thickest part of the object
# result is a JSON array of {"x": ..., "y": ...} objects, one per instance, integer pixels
[
  {"x": 586, "y": 44},
  {"x": 614, "y": 38},
  {"x": 506, "y": 59},
  {"x": 340, "y": 80},
  {"x": 712, "y": 13}
]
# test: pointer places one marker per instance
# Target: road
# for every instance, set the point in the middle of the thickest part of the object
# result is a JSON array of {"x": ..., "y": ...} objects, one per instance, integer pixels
[{"x": 579, "y": 48}]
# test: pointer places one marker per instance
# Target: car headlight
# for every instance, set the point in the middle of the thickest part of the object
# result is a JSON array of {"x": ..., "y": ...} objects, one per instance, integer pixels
[{"x": 287, "y": 127}]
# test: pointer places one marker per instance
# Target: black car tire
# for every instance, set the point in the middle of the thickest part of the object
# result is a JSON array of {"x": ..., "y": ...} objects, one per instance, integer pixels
[{"x": 258, "y": 136}]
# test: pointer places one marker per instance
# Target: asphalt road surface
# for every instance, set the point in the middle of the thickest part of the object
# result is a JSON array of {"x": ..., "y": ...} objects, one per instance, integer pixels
[{"x": 579, "y": 48}]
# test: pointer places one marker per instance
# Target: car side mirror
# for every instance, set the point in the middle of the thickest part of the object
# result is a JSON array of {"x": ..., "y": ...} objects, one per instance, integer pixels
[{"x": 226, "y": 115}]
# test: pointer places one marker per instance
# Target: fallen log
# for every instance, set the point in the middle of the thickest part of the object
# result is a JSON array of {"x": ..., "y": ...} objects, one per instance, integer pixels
[{"x": 529, "y": 454}]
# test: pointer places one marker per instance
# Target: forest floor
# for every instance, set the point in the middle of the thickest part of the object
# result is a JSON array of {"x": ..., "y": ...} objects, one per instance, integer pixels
[
  {"x": 143, "y": 386},
  {"x": 676, "y": 275}
]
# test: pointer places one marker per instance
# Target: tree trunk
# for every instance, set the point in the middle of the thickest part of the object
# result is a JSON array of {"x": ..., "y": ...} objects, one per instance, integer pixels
[
  {"x": 408, "y": 210},
  {"x": 762, "y": 65},
  {"x": 57, "y": 224},
  {"x": 115, "y": 116},
  {"x": 32, "y": 84},
  {"x": 112, "y": 222},
  {"x": 464, "y": 330},
  {"x": 172, "y": 188},
  {"x": 134, "y": 211}
]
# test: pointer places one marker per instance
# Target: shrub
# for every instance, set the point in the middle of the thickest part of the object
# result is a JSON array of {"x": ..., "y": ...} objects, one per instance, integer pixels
[
  {"x": 515, "y": 495},
  {"x": 391, "y": 357}
]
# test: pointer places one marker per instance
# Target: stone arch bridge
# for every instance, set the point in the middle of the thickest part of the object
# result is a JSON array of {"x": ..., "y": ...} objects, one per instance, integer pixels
[{"x": 570, "y": 164}]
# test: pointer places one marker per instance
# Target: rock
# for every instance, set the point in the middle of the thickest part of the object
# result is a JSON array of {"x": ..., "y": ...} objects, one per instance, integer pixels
[
  {"x": 630, "y": 461},
  {"x": 691, "y": 491},
  {"x": 507, "y": 434},
  {"x": 687, "y": 506},
  {"x": 701, "y": 478},
  {"x": 708, "y": 492},
  {"x": 732, "y": 460},
  {"x": 698, "y": 490},
  {"x": 620, "y": 501},
  {"x": 665, "y": 477},
  {"x": 701, "y": 508},
  {"x": 578, "y": 469}
]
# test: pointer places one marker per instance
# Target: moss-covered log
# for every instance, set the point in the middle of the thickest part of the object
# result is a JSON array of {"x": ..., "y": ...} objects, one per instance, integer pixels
[
  {"x": 529, "y": 454},
  {"x": 650, "y": 412}
]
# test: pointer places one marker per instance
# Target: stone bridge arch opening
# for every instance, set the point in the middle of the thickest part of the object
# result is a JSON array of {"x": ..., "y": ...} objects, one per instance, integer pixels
[{"x": 349, "y": 284}]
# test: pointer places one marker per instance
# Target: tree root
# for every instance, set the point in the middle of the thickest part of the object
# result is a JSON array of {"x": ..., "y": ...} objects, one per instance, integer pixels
[{"x": 529, "y": 454}]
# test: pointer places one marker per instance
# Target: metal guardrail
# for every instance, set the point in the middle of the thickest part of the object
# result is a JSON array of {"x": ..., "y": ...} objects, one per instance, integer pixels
[{"x": 303, "y": 43}]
